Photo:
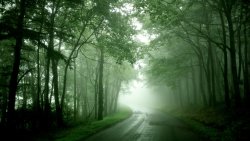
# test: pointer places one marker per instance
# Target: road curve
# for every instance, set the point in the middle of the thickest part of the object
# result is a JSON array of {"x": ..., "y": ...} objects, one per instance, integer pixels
[{"x": 146, "y": 125}]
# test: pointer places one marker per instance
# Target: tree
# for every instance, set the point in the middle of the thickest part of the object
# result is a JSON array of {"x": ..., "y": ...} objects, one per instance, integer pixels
[
  {"x": 16, "y": 63},
  {"x": 52, "y": 39},
  {"x": 196, "y": 22}
]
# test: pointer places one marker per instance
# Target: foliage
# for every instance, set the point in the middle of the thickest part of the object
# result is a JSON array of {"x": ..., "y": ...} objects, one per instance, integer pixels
[
  {"x": 215, "y": 124},
  {"x": 58, "y": 56},
  {"x": 81, "y": 132}
]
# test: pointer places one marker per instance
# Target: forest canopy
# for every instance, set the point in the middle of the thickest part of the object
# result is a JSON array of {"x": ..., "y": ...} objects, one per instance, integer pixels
[{"x": 65, "y": 61}]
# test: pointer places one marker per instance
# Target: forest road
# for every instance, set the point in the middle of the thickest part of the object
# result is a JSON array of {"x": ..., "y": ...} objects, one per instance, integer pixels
[{"x": 147, "y": 125}]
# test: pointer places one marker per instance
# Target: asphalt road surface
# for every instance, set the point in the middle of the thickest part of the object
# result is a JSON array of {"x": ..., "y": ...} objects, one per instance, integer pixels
[{"x": 147, "y": 125}]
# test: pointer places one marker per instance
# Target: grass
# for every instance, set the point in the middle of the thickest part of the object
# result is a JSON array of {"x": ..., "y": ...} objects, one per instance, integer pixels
[
  {"x": 83, "y": 131},
  {"x": 215, "y": 124},
  {"x": 206, "y": 122}
]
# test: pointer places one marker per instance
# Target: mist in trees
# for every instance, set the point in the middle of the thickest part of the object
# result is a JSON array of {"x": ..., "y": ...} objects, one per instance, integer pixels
[
  {"x": 67, "y": 61},
  {"x": 62, "y": 61},
  {"x": 201, "y": 50}
]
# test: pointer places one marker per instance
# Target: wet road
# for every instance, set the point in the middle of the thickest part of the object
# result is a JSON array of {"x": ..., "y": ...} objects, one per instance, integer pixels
[{"x": 147, "y": 125}]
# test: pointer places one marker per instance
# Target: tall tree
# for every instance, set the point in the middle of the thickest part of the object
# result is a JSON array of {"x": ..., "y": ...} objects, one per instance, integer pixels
[{"x": 17, "y": 57}]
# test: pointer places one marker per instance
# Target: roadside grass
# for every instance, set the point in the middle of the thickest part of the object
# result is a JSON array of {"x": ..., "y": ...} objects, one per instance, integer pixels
[
  {"x": 215, "y": 124},
  {"x": 84, "y": 131}
]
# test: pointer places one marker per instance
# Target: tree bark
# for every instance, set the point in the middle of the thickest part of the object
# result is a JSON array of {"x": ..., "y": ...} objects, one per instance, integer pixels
[
  {"x": 100, "y": 95},
  {"x": 59, "y": 117},
  {"x": 187, "y": 87},
  {"x": 75, "y": 92},
  {"x": 246, "y": 66},
  {"x": 194, "y": 84},
  {"x": 4, "y": 102},
  {"x": 15, "y": 70},
  {"x": 225, "y": 72},
  {"x": 36, "y": 105},
  {"x": 106, "y": 97},
  {"x": 96, "y": 95},
  {"x": 211, "y": 69},
  {"x": 118, "y": 87},
  {"x": 228, "y": 13},
  {"x": 46, "y": 104},
  {"x": 202, "y": 89}
]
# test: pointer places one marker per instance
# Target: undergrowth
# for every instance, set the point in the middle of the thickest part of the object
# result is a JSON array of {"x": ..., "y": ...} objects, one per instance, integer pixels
[
  {"x": 85, "y": 130},
  {"x": 216, "y": 124}
]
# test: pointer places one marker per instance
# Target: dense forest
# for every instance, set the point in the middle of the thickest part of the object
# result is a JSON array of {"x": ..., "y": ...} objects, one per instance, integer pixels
[
  {"x": 65, "y": 61},
  {"x": 201, "y": 50},
  {"x": 62, "y": 61}
]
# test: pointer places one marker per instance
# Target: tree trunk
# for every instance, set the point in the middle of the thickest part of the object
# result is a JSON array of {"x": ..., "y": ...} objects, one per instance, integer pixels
[
  {"x": 112, "y": 98},
  {"x": 78, "y": 100},
  {"x": 117, "y": 95},
  {"x": 202, "y": 70},
  {"x": 236, "y": 88},
  {"x": 15, "y": 70},
  {"x": 246, "y": 67},
  {"x": 51, "y": 35},
  {"x": 75, "y": 92},
  {"x": 213, "y": 64},
  {"x": 239, "y": 47},
  {"x": 202, "y": 89},
  {"x": 225, "y": 72},
  {"x": 46, "y": 91},
  {"x": 179, "y": 93},
  {"x": 194, "y": 84},
  {"x": 209, "y": 82},
  {"x": 37, "y": 106},
  {"x": 67, "y": 66},
  {"x": 211, "y": 70},
  {"x": 59, "y": 117},
  {"x": 96, "y": 94},
  {"x": 85, "y": 99},
  {"x": 106, "y": 97},
  {"x": 3, "y": 101},
  {"x": 187, "y": 87},
  {"x": 100, "y": 96}
]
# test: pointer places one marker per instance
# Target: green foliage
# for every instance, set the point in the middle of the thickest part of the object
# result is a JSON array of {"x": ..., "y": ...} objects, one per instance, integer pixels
[
  {"x": 117, "y": 38},
  {"x": 8, "y": 23},
  {"x": 124, "y": 72},
  {"x": 215, "y": 124},
  {"x": 169, "y": 62},
  {"x": 191, "y": 118},
  {"x": 83, "y": 131},
  {"x": 57, "y": 30}
]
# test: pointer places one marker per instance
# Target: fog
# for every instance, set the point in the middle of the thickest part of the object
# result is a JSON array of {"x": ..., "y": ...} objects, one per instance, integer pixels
[{"x": 138, "y": 96}]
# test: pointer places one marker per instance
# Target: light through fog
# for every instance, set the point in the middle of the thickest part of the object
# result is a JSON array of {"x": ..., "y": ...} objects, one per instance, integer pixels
[
  {"x": 142, "y": 36},
  {"x": 137, "y": 94}
]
